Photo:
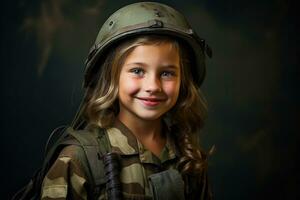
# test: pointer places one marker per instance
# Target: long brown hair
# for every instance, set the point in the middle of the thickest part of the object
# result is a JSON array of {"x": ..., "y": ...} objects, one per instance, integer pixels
[{"x": 187, "y": 116}]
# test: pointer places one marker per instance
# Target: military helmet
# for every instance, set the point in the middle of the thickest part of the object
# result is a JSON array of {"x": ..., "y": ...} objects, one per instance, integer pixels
[{"x": 140, "y": 19}]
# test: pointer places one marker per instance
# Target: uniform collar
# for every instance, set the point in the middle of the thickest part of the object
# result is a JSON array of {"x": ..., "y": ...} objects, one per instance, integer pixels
[{"x": 124, "y": 142}]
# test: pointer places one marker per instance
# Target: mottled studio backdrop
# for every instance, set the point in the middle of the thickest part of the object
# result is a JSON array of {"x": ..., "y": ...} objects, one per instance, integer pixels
[{"x": 251, "y": 87}]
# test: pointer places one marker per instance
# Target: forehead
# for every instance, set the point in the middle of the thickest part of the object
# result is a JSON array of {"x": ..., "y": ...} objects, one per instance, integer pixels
[{"x": 165, "y": 52}]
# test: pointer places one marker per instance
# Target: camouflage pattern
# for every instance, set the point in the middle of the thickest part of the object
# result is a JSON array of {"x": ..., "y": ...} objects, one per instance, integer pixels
[{"x": 66, "y": 179}]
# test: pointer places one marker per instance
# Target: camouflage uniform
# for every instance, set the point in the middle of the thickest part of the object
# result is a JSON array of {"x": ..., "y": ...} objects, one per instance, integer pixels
[{"x": 66, "y": 178}]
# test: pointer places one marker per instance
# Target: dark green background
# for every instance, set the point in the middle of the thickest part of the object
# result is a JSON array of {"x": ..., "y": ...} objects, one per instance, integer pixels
[{"x": 251, "y": 87}]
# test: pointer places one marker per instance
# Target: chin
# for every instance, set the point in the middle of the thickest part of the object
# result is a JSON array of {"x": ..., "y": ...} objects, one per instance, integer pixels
[{"x": 150, "y": 117}]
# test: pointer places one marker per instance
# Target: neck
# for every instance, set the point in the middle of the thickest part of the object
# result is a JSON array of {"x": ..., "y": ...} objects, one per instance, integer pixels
[{"x": 142, "y": 129}]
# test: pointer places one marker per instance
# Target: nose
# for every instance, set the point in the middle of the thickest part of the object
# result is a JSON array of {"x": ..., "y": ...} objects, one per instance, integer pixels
[{"x": 152, "y": 84}]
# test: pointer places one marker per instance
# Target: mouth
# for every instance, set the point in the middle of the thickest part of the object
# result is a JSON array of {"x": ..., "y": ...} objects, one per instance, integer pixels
[{"x": 151, "y": 101}]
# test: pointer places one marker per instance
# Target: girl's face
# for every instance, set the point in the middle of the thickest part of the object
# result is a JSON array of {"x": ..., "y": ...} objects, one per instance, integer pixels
[{"x": 149, "y": 82}]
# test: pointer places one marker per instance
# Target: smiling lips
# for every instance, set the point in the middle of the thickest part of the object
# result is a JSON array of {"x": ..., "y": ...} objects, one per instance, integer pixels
[{"x": 150, "y": 101}]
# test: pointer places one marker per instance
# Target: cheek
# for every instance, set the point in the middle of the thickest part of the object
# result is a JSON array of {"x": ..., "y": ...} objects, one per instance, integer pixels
[
  {"x": 172, "y": 89},
  {"x": 128, "y": 86}
]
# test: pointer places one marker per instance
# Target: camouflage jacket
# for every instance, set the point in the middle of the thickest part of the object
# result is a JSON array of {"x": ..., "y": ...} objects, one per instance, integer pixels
[{"x": 66, "y": 179}]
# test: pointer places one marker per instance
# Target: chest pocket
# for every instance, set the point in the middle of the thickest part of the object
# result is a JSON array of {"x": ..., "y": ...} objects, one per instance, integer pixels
[{"x": 167, "y": 185}]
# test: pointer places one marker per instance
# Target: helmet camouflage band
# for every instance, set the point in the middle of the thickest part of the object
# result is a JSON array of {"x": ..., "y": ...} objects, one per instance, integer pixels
[{"x": 146, "y": 18}]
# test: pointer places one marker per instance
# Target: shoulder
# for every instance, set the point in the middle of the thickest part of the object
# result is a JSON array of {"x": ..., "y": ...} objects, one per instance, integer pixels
[
  {"x": 66, "y": 172},
  {"x": 68, "y": 164},
  {"x": 78, "y": 148},
  {"x": 71, "y": 157},
  {"x": 72, "y": 153},
  {"x": 67, "y": 153}
]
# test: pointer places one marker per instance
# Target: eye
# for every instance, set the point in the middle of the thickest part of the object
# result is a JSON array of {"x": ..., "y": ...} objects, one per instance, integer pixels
[
  {"x": 167, "y": 74},
  {"x": 137, "y": 71}
]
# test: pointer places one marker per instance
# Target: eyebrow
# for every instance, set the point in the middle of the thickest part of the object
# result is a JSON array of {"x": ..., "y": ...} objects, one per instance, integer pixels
[{"x": 163, "y": 66}]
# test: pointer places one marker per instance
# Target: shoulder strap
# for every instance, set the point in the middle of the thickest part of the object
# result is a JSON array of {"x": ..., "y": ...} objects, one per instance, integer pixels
[{"x": 95, "y": 145}]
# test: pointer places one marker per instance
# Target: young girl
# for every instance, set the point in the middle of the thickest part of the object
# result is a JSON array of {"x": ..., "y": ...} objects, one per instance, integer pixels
[{"x": 142, "y": 92}]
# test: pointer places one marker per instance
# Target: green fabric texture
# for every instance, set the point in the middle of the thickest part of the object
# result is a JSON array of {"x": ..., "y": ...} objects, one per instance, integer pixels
[{"x": 167, "y": 185}]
